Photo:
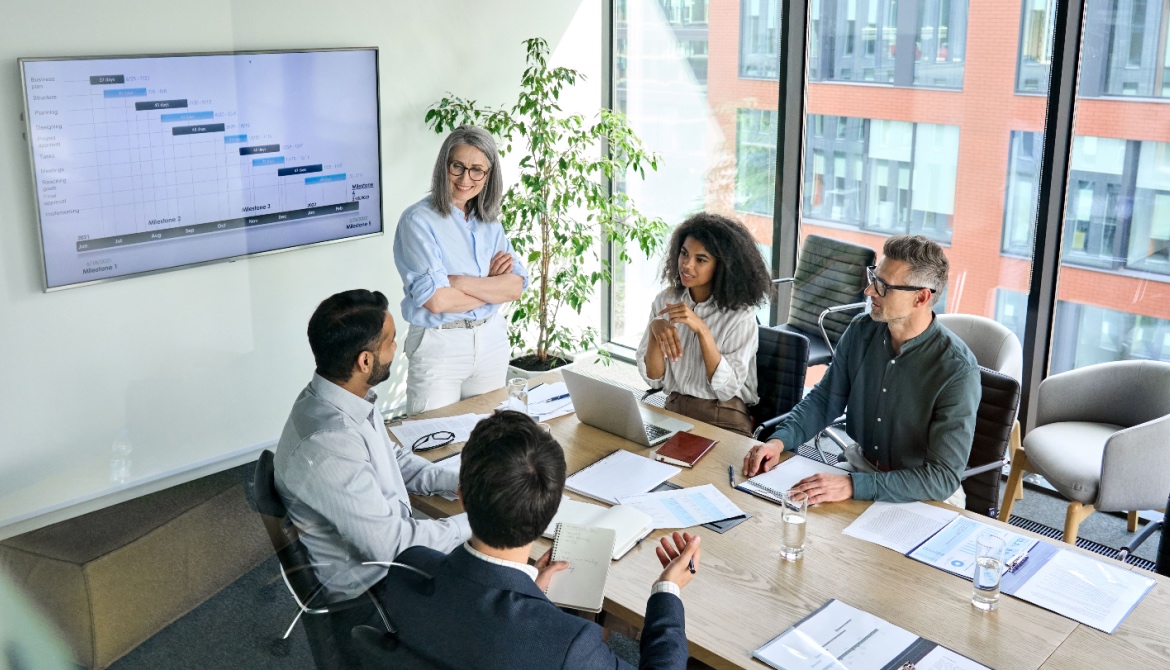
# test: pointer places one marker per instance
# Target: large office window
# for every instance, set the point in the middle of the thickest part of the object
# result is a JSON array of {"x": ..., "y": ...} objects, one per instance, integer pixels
[
  {"x": 884, "y": 176},
  {"x": 1023, "y": 186},
  {"x": 910, "y": 43},
  {"x": 1113, "y": 288},
  {"x": 712, "y": 119}
]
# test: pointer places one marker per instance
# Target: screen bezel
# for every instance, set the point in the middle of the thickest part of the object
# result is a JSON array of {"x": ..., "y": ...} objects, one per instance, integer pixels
[{"x": 226, "y": 259}]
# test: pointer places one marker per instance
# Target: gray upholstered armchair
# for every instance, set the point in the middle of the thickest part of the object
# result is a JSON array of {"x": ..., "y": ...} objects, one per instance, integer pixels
[{"x": 1102, "y": 439}]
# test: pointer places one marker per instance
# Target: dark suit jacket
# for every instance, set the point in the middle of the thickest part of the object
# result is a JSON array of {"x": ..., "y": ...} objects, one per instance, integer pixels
[{"x": 475, "y": 614}]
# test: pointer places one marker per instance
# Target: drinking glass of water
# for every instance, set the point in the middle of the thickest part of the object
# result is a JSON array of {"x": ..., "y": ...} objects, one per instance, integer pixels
[
  {"x": 794, "y": 514},
  {"x": 988, "y": 571},
  {"x": 518, "y": 395}
]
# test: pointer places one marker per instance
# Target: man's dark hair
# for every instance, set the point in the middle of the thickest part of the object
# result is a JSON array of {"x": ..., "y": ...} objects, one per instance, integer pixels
[
  {"x": 741, "y": 277},
  {"x": 342, "y": 327},
  {"x": 511, "y": 479}
]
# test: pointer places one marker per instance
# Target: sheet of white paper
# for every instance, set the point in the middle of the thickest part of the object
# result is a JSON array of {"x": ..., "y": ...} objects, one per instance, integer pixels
[
  {"x": 619, "y": 474},
  {"x": 953, "y": 548},
  {"x": 545, "y": 402},
  {"x": 838, "y": 637},
  {"x": 409, "y": 432},
  {"x": 941, "y": 658},
  {"x": 1084, "y": 589},
  {"x": 779, "y": 479},
  {"x": 900, "y": 527},
  {"x": 683, "y": 508}
]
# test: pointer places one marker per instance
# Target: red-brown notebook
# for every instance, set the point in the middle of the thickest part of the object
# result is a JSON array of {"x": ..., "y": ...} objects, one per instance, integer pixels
[{"x": 684, "y": 449}]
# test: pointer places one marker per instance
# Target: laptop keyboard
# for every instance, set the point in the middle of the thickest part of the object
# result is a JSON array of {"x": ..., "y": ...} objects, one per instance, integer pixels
[{"x": 654, "y": 432}]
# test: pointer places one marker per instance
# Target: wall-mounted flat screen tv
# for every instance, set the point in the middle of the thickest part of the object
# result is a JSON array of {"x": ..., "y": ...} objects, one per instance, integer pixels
[{"x": 151, "y": 163}]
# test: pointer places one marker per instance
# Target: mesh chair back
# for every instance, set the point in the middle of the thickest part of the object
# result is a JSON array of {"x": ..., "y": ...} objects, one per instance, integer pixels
[
  {"x": 781, "y": 364},
  {"x": 993, "y": 432},
  {"x": 829, "y": 273}
]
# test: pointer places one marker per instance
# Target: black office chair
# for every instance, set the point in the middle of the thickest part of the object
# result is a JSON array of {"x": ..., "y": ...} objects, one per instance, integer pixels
[
  {"x": 380, "y": 651},
  {"x": 781, "y": 366},
  {"x": 827, "y": 292},
  {"x": 328, "y": 625},
  {"x": 998, "y": 406}
]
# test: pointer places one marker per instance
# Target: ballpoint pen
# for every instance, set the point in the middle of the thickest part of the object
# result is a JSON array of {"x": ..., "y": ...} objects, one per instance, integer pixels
[
  {"x": 731, "y": 475},
  {"x": 1017, "y": 561},
  {"x": 691, "y": 566},
  {"x": 552, "y": 399}
]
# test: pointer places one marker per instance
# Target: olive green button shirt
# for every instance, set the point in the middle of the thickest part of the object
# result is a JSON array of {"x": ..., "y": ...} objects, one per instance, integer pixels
[{"x": 913, "y": 414}]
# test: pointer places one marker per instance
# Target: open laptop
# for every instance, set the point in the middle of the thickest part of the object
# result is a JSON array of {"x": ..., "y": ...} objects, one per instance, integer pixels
[{"x": 615, "y": 410}]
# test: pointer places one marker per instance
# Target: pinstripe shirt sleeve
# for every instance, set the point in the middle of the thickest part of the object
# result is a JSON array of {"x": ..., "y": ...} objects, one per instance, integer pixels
[{"x": 331, "y": 473}]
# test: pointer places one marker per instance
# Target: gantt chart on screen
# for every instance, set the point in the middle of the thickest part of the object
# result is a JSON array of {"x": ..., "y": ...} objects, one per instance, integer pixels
[{"x": 158, "y": 162}]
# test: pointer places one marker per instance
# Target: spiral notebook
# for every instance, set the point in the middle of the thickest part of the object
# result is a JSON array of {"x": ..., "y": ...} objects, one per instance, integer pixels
[
  {"x": 581, "y": 586},
  {"x": 772, "y": 484}
]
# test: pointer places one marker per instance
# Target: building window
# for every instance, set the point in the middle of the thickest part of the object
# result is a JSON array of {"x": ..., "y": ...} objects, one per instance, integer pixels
[
  {"x": 759, "y": 39},
  {"x": 1135, "y": 59},
  {"x": 910, "y": 43},
  {"x": 1011, "y": 309},
  {"x": 1035, "y": 62},
  {"x": 1102, "y": 335},
  {"x": 942, "y": 43},
  {"x": 882, "y": 176},
  {"x": 1023, "y": 186},
  {"x": 1094, "y": 213},
  {"x": 755, "y": 161}
]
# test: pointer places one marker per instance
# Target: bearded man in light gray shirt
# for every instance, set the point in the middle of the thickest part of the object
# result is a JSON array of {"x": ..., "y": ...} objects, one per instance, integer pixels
[{"x": 345, "y": 483}]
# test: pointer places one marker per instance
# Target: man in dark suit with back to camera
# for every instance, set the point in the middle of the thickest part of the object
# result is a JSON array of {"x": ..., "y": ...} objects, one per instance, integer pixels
[
  {"x": 345, "y": 483},
  {"x": 484, "y": 606}
]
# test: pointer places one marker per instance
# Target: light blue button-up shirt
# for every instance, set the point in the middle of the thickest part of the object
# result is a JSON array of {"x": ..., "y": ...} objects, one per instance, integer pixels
[{"x": 429, "y": 247}]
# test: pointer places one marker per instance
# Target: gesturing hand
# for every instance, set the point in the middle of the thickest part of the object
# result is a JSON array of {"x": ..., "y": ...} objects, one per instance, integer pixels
[
  {"x": 680, "y": 312},
  {"x": 762, "y": 457},
  {"x": 501, "y": 264},
  {"x": 545, "y": 569},
  {"x": 666, "y": 336},
  {"x": 677, "y": 558}
]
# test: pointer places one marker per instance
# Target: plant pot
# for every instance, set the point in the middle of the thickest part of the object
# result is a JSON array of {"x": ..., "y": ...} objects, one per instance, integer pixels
[{"x": 517, "y": 372}]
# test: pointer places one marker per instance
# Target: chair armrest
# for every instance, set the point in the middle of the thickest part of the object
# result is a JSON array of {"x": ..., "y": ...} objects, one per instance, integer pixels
[
  {"x": 1135, "y": 470},
  {"x": 648, "y": 393},
  {"x": 784, "y": 280},
  {"x": 980, "y": 469},
  {"x": 833, "y": 310},
  {"x": 769, "y": 425}
]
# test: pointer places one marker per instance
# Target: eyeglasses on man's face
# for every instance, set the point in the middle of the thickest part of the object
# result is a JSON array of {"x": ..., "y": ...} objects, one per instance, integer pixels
[
  {"x": 457, "y": 169},
  {"x": 880, "y": 286}
]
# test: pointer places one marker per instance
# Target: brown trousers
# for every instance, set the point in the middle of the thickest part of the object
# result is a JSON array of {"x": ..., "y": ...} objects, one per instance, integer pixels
[{"x": 727, "y": 414}]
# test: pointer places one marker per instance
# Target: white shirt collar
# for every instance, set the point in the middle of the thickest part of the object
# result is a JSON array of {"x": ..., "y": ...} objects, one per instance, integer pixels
[{"x": 522, "y": 567}]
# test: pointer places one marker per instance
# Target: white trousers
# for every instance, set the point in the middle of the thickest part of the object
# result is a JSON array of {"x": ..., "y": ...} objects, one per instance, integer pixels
[{"x": 446, "y": 366}]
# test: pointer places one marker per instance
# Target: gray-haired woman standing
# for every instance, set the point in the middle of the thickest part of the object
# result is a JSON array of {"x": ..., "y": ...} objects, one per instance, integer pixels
[{"x": 457, "y": 269}]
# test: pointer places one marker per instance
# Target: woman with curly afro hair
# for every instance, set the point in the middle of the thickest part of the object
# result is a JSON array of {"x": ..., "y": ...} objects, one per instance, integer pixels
[{"x": 700, "y": 345}]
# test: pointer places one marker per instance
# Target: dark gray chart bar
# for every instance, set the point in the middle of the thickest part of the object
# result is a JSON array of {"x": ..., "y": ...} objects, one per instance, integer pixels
[
  {"x": 107, "y": 79},
  {"x": 197, "y": 130},
  {"x": 260, "y": 149},
  {"x": 215, "y": 226},
  {"x": 300, "y": 169},
  {"x": 159, "y": 104}
]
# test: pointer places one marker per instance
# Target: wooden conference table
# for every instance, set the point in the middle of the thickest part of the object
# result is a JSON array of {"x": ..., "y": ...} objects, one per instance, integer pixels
[{"x": 745, "y": 594}]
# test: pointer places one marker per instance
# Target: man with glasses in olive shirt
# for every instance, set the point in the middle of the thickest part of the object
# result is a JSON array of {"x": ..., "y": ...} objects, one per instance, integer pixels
[{"x": 911, "y": 387}]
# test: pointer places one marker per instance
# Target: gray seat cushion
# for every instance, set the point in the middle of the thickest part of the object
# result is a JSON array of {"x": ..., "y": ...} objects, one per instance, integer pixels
[{"x": 1068, "y": 454}]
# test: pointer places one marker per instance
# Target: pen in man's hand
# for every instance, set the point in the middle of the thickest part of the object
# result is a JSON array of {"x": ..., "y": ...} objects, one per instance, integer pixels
[{"x": 691, "y": 566}]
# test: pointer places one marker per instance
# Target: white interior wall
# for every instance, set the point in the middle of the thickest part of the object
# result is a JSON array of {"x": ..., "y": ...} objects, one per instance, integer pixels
[{"x": 199, "y": 366}]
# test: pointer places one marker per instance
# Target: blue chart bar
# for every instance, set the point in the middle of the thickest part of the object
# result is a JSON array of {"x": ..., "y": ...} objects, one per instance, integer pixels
[
  {"x": 235, "y": 139},
  {"x": 300, "y": 169},
  {"x": 274, "y": 160},
  {"x": 124, "y": 92},
  {"x": 186, "y": 116},
  {"x": 324, "y": 178}
]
